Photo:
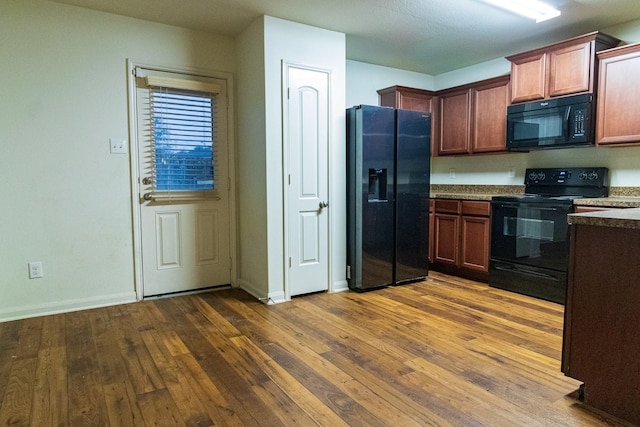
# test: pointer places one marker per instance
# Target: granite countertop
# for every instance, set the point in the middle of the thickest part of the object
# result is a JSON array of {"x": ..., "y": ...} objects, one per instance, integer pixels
[
  {"x": 620, "y": 218},
  {"x": 463, "y": 196},
  {"x": 473, "y": 192},
  {"x": 612, "y": 202},
  {"x": 619, "y": 197}
]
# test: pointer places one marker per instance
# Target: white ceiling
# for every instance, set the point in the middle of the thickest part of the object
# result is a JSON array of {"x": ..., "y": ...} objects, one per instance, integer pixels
[{"x": 427, "y": 36}]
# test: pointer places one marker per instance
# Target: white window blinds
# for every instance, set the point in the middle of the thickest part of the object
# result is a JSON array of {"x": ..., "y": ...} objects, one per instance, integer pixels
[{"x": 182, "y": 134}]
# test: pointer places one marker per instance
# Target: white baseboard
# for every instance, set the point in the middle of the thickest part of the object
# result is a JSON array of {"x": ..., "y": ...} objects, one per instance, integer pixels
[
  {"x": 252, "y": 289},
  {"x": 340, "y": 286},
  {"x": 65, "y": 306}
]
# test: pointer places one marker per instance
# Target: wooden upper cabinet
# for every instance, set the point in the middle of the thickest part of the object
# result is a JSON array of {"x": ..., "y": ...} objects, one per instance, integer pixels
[
  {"x": 528, "y": 80},
  {"x": 560, "y": 69},
  {"x": 455, "y": 123},
  {"x": 466, "y": 119},
  {"x": 570, "y": 69},
  {"x": 473, "y": 118},
  {"x": 618, "y": 104},
  {"x": 407, "y": 98},
  {"x": 490, "y": 100}
]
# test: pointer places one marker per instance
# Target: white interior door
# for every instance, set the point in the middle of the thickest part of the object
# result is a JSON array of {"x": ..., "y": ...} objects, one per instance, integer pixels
[
  {"x": 307, "y": 181},
  {"x": 185, "y": 234}
]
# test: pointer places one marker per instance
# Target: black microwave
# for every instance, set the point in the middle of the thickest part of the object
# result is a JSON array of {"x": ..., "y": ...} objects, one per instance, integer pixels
[{"x": 554, "y": 123}]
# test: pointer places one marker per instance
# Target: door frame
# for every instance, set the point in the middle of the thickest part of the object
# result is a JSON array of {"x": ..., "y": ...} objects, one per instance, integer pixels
[
  {"x": 135, "y": 177},
  {"x": 285, "y": 169}
]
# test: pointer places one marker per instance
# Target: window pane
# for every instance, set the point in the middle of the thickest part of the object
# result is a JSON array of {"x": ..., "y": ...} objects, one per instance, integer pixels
[{"x": 183, "y": 133}]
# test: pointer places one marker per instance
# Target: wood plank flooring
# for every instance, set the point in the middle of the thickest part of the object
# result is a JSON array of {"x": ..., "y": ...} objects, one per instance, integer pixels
[{"x": 443, "y": 352}]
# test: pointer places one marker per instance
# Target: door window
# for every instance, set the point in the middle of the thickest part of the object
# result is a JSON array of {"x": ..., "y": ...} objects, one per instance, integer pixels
[{"x": 182, "y": 128}]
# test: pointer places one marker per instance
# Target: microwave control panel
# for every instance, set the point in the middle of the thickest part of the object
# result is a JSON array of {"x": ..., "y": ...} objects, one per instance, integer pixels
[{"x": 579, "y": 118}]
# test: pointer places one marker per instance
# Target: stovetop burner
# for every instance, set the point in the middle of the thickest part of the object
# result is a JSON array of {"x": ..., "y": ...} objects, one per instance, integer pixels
[
  {"x": 573, "y": 182},
  {"x": 561, "y": 185}
]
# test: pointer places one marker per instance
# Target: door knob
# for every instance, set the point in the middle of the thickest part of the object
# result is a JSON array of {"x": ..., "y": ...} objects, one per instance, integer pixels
[{"x": 324, "y": 204}]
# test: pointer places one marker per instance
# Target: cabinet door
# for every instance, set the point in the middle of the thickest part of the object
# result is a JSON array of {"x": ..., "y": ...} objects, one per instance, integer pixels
[
  {"x": 619, "y": 98},
  {"x": 407, "y": 98},
  {"x": 446, "y": 239},
  {"x": 415, "y": 102},
  {"x": 528, "y": 76},
  {"x": 475, "y": 243},
  {"x": 490, "y": 117},
  {"x": 570, "y": 69},
  {"x": 455, "y": 123}
]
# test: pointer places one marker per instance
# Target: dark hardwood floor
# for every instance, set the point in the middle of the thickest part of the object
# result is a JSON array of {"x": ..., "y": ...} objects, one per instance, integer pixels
[{"x": 445, "y": 352}]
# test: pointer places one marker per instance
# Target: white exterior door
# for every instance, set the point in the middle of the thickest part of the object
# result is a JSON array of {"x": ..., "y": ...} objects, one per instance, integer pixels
[
  {"x": 185, "y": 235},
  {"x": 307, "y": 140}
]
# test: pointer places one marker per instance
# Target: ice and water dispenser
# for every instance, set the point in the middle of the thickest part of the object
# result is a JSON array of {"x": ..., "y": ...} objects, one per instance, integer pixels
[{"x": 377, "y": 185}]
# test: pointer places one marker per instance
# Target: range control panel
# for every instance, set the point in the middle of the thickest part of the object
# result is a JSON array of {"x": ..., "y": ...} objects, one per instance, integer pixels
[{"x": 587, "y": 177}]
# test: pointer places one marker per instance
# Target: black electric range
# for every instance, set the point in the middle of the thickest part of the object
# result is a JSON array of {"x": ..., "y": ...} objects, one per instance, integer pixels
[{"x": 530, "y": 233}]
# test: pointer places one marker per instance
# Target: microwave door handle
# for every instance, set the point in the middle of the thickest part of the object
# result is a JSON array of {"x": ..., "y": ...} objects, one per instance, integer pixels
[{"x": 565, "y": 123}]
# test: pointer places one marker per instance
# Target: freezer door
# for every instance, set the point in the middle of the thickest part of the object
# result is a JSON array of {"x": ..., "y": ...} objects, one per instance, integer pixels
[{"x": 412, "y": 195}]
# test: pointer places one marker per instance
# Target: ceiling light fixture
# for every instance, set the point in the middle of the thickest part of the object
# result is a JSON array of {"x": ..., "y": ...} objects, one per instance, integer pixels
[{"x": 529, "y": 8}]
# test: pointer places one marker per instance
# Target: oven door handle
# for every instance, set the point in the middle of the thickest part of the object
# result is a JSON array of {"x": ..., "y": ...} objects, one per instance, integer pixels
[
  {"x": 537, "y": 206},
  {"x": 526, "y": 272}
]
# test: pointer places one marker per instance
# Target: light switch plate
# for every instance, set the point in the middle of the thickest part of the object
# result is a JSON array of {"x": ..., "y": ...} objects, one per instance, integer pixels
[{"x": 118, "y": 145}]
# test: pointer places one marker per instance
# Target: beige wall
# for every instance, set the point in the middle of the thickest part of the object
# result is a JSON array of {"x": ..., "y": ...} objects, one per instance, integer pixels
[
  {"x": 66, "y": 201},
  {"x": 252, "y": 185}
]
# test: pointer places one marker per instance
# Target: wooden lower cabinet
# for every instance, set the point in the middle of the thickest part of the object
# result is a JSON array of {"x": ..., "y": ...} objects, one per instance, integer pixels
[
  {"x": 601, "y": 343},
  {"x": 461, "y": 238},
  {"x": 474, "y": 253},
  {"x": 447, "y": 239}
]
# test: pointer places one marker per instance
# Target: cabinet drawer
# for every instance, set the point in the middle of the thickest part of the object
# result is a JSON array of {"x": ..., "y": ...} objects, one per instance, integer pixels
[
  {"x": 448, "y": 206},
  {"x": 476, "y": 208}
]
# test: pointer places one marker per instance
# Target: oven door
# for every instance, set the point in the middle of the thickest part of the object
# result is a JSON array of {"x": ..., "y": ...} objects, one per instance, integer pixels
[{"x": 534, "y": 234}]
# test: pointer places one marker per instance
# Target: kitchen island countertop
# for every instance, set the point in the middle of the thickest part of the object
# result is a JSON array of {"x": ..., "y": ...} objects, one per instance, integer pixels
[
  {"x": 611, "y": 202},
  {"x": 619, "y": 218}
]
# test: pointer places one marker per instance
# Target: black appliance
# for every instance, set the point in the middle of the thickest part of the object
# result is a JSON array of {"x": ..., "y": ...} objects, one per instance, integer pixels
[
  {"x": 554, "y": 123},
  {"x": 530, "y": 233},
  {"x": 388, "y": 165}
]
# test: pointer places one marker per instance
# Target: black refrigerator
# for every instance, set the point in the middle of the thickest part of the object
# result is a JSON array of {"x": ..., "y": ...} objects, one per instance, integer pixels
[{"x": 388, "y": 165}]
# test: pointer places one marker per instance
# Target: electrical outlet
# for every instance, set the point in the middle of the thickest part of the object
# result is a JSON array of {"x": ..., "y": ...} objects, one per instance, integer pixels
[
  {"x": 35, "y": 270},
  {"x": 118, "y": 145},
  {"x": 452, "y": 173},
  {"x": 512, "y": 172}
]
